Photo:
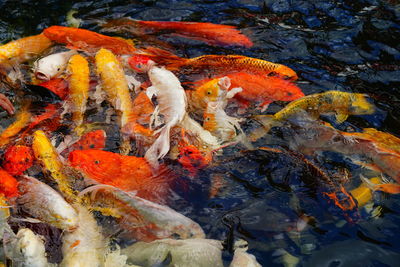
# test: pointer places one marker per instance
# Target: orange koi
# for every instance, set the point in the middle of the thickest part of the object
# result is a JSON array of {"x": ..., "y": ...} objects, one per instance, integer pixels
[
  {"x": 88, "y": 41},
  {"x": 389, "y": 188},
  {"x": 217, "y": 64},
  {"x": 8, "y": 184},
  {"x": 256, "y": 89},
  {"x": 17, "y": 159},
  {"x": 128, "y": 173},
  {"x": 24, "y": 49},
  {"x": 58, "y": 86},
  {"x": 212, "y": 34}
]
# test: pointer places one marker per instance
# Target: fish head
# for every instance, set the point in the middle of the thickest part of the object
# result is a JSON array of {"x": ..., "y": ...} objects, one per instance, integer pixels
[
  {"x": 210, "y": 122},
  {"x": 50, "y": 66},
  {"x": 360, "y": 105},
  {"x": 140, "y": 63},
  {"x": 209, "y": 91},
  {"x": 95, "y": 163},
  {"x": 191, "y": 158},
  {"x": 17, "y": 159}
]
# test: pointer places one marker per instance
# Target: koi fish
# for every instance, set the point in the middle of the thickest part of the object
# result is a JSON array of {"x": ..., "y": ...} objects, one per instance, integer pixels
[
  {"x": 29, "y": 249},
  {"x": 24, "y": 49},
  {"x": 384, "y": 139},
  {"x": 51, "y": 66},
  {"x": 48, "y": 157},
  {"x": 115, "y": 85},
  {"x": 363, "y": 193},
  {"x": 128, "y": 173},
  {"x": 78, "y": 69},
  {"x": 88, "y": 41},
  {"x": 212, "y": 34},
  {"x": 8, "y": 185},
  {"x": 342, "y": 104},
  {"x": 17, "y": 159},
  {"x": 58, "y": 86},
  {"x": 172, "y": 103},
  {"x": 217, "y": 64},
  {"x": 6, "y": 104},
  {"x": 161, "y": 220},
  {"x": 23, "y": 117},
  {"x": 256, "y": 89}
]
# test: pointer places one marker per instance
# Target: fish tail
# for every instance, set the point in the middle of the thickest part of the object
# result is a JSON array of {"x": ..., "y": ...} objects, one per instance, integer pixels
[{"x": 160, "y": 147}]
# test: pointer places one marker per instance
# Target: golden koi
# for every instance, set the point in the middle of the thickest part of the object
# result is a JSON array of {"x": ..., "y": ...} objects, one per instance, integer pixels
[
  {"x": 25, "y": 48},
  {"x": 113, "y": 81},
  {"x": 363, "y": 193},
  {"x": 78, "y": 68},
  {"x": 342, "y": 104},
  {"x": 47, "y": 155}
]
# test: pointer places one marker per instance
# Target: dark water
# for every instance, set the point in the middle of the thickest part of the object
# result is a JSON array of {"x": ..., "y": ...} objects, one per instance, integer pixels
[{"x": 333, "y": 45}]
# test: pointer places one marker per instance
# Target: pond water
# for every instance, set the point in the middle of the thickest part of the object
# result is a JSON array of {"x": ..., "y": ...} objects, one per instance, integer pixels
[{"x": 350, "y": 46}]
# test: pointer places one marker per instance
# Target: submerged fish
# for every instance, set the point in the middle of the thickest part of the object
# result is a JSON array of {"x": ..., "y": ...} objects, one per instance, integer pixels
[
  {"x": 241, "y": 258},
  {"x": 128, "y": 173},
  {"x": 213, "y": 34},
  {"x": 78, "y": 70},
  {"x": 389, "y": 188},
  {"x": 218, "y": 64},
  {"x": 44, "y": 203},
  {"x": 25, "y": 48},
  {"x": 22, "y": 119},
  {"x": 342, "y": 104},
  {"x": 17, "y": 159},
  {"x": 89, "y": 41},
  {"x": 363, "y": 193},
  {"x": 51, "y": 66}
]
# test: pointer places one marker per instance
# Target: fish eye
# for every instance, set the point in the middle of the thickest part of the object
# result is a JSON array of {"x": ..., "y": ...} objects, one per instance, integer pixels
[
  {"x": 289, "y": 93},
  {"x": 139, "y": 65},
  {"x": 58, "y": 69},
  {"x": 208, "y": 92},
  {"x": 96, "y": 162},
  {"x": 272, "y": 73},
  {"x": 207, "y": 119}
]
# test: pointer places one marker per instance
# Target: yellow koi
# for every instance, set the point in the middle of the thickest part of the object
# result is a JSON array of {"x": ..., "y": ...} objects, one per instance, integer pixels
[
  {"x": 342, "y": 104},
  {"x": 25, "y": 48},
  {"x": 22, "y": 120},
  {"x": 47, "y": 155},
  {"x": 78, "y": 67},
  {"x": 363, "y": 193},
  {"x": 115, "y": 85}
]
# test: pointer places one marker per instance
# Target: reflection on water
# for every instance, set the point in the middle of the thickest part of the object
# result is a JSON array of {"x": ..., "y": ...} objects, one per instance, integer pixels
[{"x": 333, "y": 45}]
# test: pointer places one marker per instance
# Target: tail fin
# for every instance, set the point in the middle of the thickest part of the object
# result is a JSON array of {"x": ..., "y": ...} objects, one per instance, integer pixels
[{"x": 160, "y": 147}]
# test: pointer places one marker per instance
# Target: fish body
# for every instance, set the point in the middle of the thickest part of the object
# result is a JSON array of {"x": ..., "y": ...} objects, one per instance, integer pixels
[
  {"x": 44, "y": 203},
  {"x": 241, "y": 258},
  {"x": 128, "y": 173},
  {"x": 48, "y": 157},
  {"x": 78, "y": 69},
  {"x": 161, "y": 221},
  {"x": 342, "y": 104},
  {"x": 172, "y": 103},
  {"x": 114, "y": 83},
  {"x": 222, "y": 64},
  {"x": 8, "y": 185},
  {"x": 87, "y": 40},
  {"x": 58, "y": 86},
  {"x": 51, "y": 66},
  {"x": 22, "y": 119},
  {"x": 213, "y": 34},
  {"x": 25, "y": 48},
  {"x": 17, "y": 159},
  {"x": 29, "y": 250}
]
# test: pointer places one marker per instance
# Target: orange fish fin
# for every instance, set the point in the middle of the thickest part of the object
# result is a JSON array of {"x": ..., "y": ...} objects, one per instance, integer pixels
[{"x": 388, "y": 188}]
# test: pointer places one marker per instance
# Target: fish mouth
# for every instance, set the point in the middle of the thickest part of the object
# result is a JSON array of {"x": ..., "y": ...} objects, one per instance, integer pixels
[{"x": 42, "y": 76}]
